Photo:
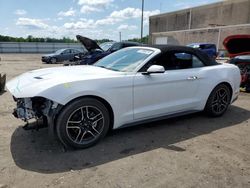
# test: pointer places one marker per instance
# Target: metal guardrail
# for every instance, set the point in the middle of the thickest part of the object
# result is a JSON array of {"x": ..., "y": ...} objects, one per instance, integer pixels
[{"x": 35, "y": 47}]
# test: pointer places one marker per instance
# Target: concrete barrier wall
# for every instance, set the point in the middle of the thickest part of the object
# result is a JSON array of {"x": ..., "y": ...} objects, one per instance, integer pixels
[
  {"x": 35, "y": 47},
  {"x": 208, "y": 35}
]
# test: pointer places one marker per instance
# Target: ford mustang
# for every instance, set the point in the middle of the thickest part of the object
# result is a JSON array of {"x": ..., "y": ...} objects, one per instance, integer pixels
[{"x": 79, "y": 104}]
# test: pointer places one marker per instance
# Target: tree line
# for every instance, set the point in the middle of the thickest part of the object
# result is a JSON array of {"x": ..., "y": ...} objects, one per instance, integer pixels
[{"x": 144, "y": 40}]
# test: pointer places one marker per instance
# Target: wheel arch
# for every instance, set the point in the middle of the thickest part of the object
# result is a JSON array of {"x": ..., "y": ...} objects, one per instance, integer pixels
[
  {"x": 222, "y": 83},
  {"x": 208, "y": 106},
  {"x": 53, "y": 57},
  {"x": 100, "y": 99},
  {"x": 229, "y": 86}
]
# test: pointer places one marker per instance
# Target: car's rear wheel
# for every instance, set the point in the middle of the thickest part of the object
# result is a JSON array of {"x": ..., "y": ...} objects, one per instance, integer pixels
[
  {"x": 218, "y": 101},
  {"x": 53, "y": 60},
  {"x": 83, "y": 123},
  {"x": 248, "y": 87}
]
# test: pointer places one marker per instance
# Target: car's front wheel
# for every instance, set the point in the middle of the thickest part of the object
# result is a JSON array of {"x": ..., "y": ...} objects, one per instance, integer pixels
[
  {"x": 53, "y": 60},
  {"x": 218, "y": 101},
  {"x": 83, "y": 123}
]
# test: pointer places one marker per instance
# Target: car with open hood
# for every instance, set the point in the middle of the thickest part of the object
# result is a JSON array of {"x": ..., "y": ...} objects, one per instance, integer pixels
[
  {"x": 79, "y": 104},
  {"x": 96, "y": 52},
  {"x": 238, "y": 47}
]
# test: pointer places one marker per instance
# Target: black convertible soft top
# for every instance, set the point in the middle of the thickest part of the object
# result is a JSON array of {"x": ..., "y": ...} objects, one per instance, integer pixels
[{"x": 200, "y": 54}]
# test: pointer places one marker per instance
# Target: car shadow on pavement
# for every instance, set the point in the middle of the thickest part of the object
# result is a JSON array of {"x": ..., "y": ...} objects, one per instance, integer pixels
[
  {"x": 2, "y": 92},
  {"x": 34, "y": 151}
]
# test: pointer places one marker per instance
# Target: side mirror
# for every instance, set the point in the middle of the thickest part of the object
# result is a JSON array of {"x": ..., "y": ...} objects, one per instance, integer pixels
[{"x": 155, "y": 69}]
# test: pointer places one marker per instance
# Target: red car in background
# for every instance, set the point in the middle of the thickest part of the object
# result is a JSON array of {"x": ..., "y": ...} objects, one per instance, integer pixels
[{"x": 238, "y": 47}]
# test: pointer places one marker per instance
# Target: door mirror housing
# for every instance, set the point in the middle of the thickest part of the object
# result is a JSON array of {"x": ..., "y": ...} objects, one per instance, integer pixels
[{"x": 155, "y": 69}]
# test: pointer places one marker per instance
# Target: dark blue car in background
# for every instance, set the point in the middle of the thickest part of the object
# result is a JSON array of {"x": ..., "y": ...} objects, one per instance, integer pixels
[
  {"x": 96, "y": 52},
  {"x": 208, "y": 48}
]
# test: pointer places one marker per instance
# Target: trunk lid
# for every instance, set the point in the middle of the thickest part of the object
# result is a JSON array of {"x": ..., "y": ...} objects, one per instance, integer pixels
[{"x": 237, "y": 45}]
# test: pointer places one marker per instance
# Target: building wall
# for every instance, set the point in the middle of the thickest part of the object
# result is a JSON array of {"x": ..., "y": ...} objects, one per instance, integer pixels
[
  {"x": 35, "y": 47},
  {"x": 230, "y": 12},
  {"x": 209, "y": 23},
  {"x": 209, "y": 35}
]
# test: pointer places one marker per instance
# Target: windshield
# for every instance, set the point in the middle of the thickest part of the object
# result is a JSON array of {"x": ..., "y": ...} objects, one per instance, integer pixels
[
  {"x": 59, "y": 51},
  {"x": 106, "y": 45},
  {"x": 125, "y": 60}
]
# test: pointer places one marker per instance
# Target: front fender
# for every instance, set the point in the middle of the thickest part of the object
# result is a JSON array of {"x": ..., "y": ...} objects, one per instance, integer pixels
[{"x": 67, "y": 92}]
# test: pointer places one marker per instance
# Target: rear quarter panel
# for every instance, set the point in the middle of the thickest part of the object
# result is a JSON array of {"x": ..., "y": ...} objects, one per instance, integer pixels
[{"x": 212, "y": 76}]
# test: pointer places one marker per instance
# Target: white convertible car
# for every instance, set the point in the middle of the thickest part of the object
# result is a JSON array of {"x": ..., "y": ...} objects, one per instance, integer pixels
[{"x": 134, "y": 85}]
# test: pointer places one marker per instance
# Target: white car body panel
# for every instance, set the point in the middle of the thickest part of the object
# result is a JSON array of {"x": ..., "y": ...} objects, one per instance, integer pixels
[
  {"x": 152, "y": 96},
  {"x": 132, "y": 96},
  {"x": 102, "y": 83}
]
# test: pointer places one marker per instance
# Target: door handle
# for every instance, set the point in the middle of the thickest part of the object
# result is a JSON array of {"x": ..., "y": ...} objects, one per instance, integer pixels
[{"x": 192, "y": 78}]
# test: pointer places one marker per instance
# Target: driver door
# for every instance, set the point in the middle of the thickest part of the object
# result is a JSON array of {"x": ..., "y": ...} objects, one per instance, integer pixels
[
  {"x": 66, "y": 55},
  {"x": 159, "y": 94}
]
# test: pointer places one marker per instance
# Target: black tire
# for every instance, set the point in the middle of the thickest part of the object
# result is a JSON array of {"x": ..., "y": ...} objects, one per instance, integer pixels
[
  {"x": 2, "y": 82},
  {"x": 218, "y": 101},
  {"x": 53, "y": 60},
  {"x": 77, "y": 125},
  {"x": 248, "y": 87}
]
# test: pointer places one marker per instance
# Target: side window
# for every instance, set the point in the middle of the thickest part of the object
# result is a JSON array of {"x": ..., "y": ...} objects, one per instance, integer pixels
[
  {"x": 197, "y": 63},
  {"x": 186, "y": 61},
  {"x": 181, "y": 61},
  {"x": 66, "y": 52},
  {"x": 175, "y": 61},
  {"x": 115, "y": 47},
  {"x": 158, "y": 60}
]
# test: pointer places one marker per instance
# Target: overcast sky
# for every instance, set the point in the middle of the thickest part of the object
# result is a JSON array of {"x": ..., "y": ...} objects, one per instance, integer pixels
[{"x": 95, "y": 19}]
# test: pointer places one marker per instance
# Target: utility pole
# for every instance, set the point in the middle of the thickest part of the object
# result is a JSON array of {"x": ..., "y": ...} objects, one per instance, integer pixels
[
  {"x": 120, "y": 36},
  {"x": 142, "y": 11}
]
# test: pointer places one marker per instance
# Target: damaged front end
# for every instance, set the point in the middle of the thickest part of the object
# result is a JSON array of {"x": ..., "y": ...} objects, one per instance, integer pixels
[{"x": 40, "y": 109}]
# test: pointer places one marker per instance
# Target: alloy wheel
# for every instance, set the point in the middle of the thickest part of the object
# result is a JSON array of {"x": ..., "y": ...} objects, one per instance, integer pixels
[
  {"x": 220, "y": 100},
  {"x": 85, "y": 125}
]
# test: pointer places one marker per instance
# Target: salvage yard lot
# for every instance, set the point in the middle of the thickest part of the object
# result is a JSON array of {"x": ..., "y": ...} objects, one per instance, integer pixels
[{"x": 191, "y": 151}]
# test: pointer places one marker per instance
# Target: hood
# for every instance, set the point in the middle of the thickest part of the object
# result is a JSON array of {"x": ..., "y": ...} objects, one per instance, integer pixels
[
  {"x": 35, "y": 82},
  {"x": 237, "y": 45},
  {"x": 48, "y": 55},
  {"x": 88, "y": 43}
]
